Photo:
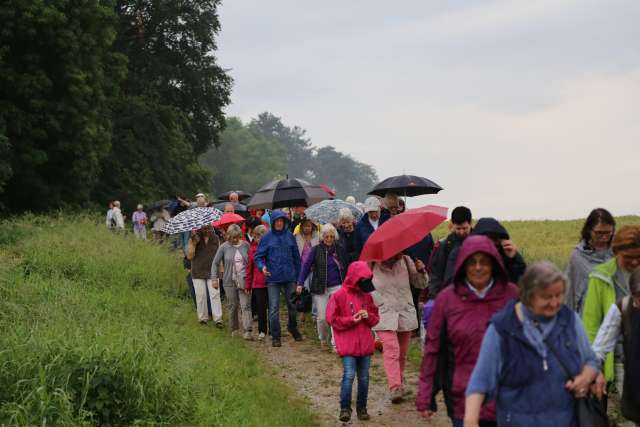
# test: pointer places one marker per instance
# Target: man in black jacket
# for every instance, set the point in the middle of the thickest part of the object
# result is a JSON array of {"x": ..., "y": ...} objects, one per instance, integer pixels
[{"x": 460, "y": 228}]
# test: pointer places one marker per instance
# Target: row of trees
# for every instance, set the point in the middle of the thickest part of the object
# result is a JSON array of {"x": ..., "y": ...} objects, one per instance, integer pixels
[
  {"x": 104, "y": 99},
  {"x": 265, "y": 149}
]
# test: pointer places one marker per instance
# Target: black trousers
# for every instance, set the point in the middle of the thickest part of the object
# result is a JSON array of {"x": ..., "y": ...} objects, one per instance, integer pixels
[{"x": 262, "y": 306}]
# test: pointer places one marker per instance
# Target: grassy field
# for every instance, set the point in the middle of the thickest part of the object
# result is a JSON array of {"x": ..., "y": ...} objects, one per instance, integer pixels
[{"x": 95, "y": 328}]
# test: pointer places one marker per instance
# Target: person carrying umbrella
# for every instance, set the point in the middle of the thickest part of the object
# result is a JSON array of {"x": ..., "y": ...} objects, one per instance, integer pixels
[
  {"x": 278, "y": 258},
  {"x": 368, "y": 223},
  {"x": 328, "y": 262},
  {"x": 201, "y": 250}
]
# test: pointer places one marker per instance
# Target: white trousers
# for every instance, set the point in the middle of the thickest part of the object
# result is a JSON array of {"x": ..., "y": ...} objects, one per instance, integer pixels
[
  {"x": 140, "y": 233},
  {"x": 325, "y": 334},
  {"x": 200, "y": 286}
]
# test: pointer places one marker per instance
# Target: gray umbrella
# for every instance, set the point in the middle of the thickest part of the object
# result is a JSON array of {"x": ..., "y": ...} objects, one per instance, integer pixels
[
  {"x": 192, "y": 219},
  {"x": 328, "y": 211}
]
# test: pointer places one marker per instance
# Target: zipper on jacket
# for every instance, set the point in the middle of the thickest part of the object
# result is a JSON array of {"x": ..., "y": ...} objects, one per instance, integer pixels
[{"x": 545, "y": 366}]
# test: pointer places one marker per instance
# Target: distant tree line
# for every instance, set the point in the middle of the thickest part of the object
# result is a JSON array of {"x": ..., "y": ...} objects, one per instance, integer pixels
[
  {"x": 124, "y": 99},
  {"x": 254, "y": 153}
]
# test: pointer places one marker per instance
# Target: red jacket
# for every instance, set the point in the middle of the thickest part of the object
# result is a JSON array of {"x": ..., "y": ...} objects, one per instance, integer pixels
[
  {"x": 352, "y": 338},
  {"x": 254, "y": 277},
  {"x": 456, "y": 328}
]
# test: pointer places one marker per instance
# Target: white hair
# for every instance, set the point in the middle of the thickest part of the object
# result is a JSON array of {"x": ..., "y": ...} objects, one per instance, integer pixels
[
  {"x": 328, "y": 229},
  {"x": 345, "y": 215}
]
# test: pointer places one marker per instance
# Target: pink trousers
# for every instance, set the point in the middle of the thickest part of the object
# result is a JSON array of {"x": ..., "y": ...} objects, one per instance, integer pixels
[{"x": 395, "y": 346}]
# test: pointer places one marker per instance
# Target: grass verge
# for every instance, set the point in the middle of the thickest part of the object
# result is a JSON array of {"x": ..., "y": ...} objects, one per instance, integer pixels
[{"x": 95, "y": 328}]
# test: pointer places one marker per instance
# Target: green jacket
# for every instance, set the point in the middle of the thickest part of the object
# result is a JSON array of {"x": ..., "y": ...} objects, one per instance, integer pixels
[{"x": 601, "y": 295}]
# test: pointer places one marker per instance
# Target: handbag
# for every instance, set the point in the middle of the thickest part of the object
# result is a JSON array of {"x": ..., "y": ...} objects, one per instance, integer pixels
[
  {"x": 416, "y": 279},
  {"x": 589, "y": 410}
]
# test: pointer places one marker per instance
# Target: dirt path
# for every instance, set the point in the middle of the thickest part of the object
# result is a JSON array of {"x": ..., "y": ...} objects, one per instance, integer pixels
[{"x": 316, "y": 376}]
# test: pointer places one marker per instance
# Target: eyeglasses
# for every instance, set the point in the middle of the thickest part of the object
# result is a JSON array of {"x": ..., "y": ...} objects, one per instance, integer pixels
[{"x": 599, "y": 233}]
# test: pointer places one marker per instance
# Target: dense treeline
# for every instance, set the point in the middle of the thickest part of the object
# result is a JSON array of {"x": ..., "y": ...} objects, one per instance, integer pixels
[
  {"x": 103, "y": 99},
  {"x": 120, "y": 98},
  {"x": 265, "y": 148}
]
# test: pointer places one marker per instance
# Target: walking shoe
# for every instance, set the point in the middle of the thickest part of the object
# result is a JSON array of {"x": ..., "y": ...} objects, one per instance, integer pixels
[
  {"x": 345, "y": 414},
  {"x": 296, "y": 335},
  {"x": 276, "y": 342},
  {"x": 203, "y": 322},
  {"x": 247, "y": 336},
  {"x": 362, "y": 414},
  {"x": 261, "y": 336},
  {"x": 219, "y": 325},
  {"x": 235, "y": 333},
  {"x": 396, "y": 395}
]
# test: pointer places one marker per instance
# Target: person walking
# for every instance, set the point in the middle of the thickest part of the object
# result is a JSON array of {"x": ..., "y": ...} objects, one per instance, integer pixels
[
  {"x": 535, "y": 359},
  {"x": 392, "y": 280},
  {"x": 369, "y": 222},
  {"x": 622, "y": 324},
  {"x": 256, "y": 282},
  {"x": 480, "y": 288},
  {"x": 201, "y": 250},
  {"x": 327, "y": 260},
  {"x": 608, "y": 283},
  {"x": 140, "y": 222},
  {"x": 117, "y": 217},
  {"x": 279, "y": 260},
  {"x": 442, "y": 263},
  {"x": 109, "y": 219},
  {"x": 594, "y": 248},
  {"x": 352, "y": 313},
  {"x": 346, "y": 233},
  {"x": 234, "y": 255}
]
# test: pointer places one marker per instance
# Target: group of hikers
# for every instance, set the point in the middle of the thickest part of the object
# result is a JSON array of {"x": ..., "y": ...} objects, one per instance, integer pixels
[{"x": 506, "y": 343}]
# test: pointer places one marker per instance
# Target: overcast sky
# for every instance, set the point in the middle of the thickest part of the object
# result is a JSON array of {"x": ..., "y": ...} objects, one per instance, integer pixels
[{"x": 519, "y": 109}]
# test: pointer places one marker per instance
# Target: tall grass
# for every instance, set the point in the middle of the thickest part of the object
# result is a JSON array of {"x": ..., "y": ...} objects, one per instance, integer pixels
[{"x": 95, "y": 329}]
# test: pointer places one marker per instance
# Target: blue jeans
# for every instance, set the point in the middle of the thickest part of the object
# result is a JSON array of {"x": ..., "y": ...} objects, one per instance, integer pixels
[
  {"x": 274, "y": 290},
  {"x": 352, "y": 366}
]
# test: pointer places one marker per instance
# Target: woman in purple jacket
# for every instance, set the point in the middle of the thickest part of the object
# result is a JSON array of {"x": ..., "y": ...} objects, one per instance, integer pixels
[{"x": 460, "y": 316}]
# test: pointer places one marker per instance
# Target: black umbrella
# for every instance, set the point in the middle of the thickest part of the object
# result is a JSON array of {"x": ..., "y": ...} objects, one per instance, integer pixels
[
  {"x": 238, "y": 208},
  {"x": 285, "y": 193},
  {"x": 159, "y": 204},
  {"x": 242, "y": 195},
  {"x": 405, "y": 185}
]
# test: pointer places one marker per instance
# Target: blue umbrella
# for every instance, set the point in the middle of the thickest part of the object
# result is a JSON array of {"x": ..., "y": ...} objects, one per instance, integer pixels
[{"x": 328, "y": 211}]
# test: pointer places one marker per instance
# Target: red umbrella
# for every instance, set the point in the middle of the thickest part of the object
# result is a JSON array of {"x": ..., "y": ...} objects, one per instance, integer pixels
[
  {"x": 228, "y": 218},
  {"x": 401, "y": 232},
  {"x": 328, "y": 190}
]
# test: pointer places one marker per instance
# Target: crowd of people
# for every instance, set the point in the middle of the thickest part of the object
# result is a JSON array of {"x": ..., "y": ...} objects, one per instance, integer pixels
[{"x": 505, "y": 343}]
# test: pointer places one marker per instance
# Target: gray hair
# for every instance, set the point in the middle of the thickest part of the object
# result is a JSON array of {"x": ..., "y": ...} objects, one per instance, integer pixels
[
  {"x": 537, "y": 277},
  {"x": 259, "y": 230},
  {"x": 345, "y": 215},
  {"x": 233, "y": 231},
  {"x": 328, "y": 229},
  {"x": 634, "y": 283}
]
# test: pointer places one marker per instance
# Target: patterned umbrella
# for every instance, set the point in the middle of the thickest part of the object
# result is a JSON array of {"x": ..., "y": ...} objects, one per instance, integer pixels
[
  {"x": 327, "y": 211},
  {"x": 285, "y": 193},
  {"x": 192, "y": 219}
]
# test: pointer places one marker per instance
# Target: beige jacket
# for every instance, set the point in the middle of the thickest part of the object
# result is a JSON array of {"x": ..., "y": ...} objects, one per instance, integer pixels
[{"x": 393, "y": 297}]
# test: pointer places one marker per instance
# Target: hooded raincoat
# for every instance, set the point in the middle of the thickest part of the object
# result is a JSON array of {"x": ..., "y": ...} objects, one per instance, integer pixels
[
  {"x": 278, "y": 251},
  {"x": 456, "y": 328},
  {"x": 353, "y": 338}
]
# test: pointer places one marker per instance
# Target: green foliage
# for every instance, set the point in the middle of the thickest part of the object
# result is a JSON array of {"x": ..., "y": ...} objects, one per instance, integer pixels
[
  {"x": 266, "y": 149},
  {"x": 245, "y": 160},
  {"x": 58, "y": 75},
  {"x": 95, "y": 330}
]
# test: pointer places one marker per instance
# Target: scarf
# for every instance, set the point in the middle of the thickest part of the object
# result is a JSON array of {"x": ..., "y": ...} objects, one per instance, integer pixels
[{"x": 536, "y": 329}]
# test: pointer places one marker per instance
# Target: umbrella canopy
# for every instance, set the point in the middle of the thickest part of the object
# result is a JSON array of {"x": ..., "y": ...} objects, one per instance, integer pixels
[
  {"x": 159, "y": 204},
  {"x": 191, "y": 219},
  {"x": 285, "y": 193},
  {"x": 242, "y": 195},
  {"x": 327, "y": 211},
  {"x": 328, "y": 190},
  {"x": 405, "y": 185},
  {"x": 238, "y": 208},
  {"x": 228, "y": 218},
  {"x": 401, "y": 232}
]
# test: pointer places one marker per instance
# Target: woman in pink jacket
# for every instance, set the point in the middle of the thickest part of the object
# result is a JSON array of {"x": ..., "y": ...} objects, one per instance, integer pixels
[{"x": 352, "y": 313}]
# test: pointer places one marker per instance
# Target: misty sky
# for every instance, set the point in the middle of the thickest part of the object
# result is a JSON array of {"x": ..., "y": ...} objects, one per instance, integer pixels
[{"x": 519, "y": 109}]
